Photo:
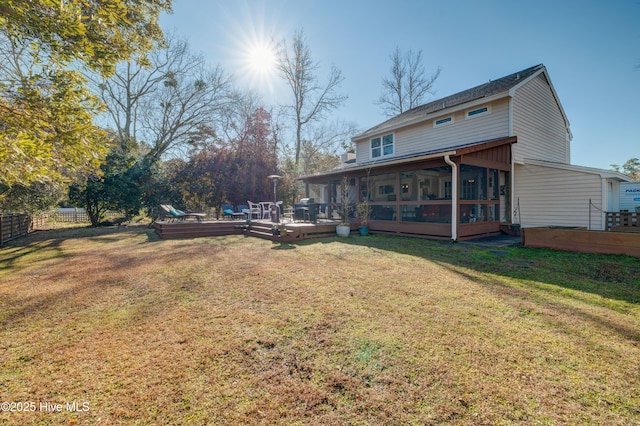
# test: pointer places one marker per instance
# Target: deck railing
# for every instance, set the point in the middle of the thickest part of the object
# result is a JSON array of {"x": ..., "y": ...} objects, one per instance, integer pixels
[{"x": 623, "y": 221}]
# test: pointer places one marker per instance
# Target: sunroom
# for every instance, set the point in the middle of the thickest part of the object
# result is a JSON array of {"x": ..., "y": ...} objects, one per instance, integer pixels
[{"x": 459, "y": 193}]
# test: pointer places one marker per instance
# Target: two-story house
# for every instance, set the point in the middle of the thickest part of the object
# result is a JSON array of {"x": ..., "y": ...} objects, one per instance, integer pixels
[{"x": 473, "y": 164}]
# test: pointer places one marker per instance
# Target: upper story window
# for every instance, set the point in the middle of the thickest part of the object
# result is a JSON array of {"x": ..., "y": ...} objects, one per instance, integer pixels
[
  {"x": 443, "y": 121},
  {"x": 382, "y": 146},
  {"x": 478, "y": 112}
]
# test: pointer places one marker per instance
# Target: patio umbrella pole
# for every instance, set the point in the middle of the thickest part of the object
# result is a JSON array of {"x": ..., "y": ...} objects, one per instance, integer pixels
[{"x": 275, "y": 198}]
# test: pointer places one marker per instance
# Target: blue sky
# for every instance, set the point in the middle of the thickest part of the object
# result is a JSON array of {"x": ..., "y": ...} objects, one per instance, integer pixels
[{"x": 591, "y": 50}]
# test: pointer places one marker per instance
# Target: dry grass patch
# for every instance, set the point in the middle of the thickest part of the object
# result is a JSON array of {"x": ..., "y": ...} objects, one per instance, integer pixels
[{"x": 374, "y": 330}]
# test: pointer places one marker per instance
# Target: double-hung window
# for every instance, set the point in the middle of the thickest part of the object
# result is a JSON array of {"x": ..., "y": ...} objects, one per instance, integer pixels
[{"x": 382, "y": 146}]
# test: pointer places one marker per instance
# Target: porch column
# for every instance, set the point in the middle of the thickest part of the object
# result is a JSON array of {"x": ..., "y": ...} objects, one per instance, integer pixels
[{"x": 454, "y": 197}]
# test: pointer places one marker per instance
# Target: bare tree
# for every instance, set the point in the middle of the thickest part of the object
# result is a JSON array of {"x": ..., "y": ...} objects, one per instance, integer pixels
[
  {"x": 407, "y": 85},
  {"x": 311, "y": 100},
  {"x": 168, "y": 103},
  {"x": 318, "y": 153}
]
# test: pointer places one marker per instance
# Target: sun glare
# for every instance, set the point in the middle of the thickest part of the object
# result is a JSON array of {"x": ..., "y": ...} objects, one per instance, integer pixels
[
  {"x": 261, "y": 59},
  {"x": 254, "y": 48}
]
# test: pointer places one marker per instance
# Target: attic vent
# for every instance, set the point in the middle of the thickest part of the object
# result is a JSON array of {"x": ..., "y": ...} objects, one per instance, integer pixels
[
  {"x": 518, "y": 76},
  {"x": 443, "y": 121},
  {"x": 478, "y": 112}
]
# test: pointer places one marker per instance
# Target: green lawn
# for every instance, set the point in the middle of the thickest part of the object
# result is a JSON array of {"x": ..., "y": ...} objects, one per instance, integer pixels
[{"x": 365, "y": 330}]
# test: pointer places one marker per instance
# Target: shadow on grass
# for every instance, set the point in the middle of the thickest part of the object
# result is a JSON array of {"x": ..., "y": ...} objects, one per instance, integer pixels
[
  {"x": 529, "y": 302},
  {"x": 14, "y": 254},
  {"x": 280, "y": 245},
  {"x": 83, "y": 283},
  {"x": 609, "y": 276}
]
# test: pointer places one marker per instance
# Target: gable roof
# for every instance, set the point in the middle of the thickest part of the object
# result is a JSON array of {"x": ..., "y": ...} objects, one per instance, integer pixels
[{"x": 427, "y": 111}]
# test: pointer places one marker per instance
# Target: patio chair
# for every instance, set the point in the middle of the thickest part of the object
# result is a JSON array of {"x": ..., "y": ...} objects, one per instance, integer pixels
[
  {"x": 265, "y": 206},
  {"x": 254, "y": 210},
  {"x": 228, "y": 213},
  {"x": 287, "y": 214},
  {"x": 179, "y": 215}
]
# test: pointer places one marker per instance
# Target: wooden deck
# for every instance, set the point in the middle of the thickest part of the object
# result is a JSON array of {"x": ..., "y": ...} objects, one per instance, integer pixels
[
  {"x": 192, "y": 228},
  {"x": 296, "y": 231}
]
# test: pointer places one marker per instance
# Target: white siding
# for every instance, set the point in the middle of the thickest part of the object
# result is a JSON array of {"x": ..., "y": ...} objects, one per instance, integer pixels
[
  {"x": 424, "y": 137},
  {"x": 539, "y": 124},
  {"x": 551, "y": 196},
  {"x": 363, "y": 151}
]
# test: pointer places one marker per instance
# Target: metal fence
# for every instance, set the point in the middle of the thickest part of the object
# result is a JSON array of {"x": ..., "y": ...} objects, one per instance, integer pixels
[
  {"x": 69, "y": 215},
  {"x": 76, "y": 215}
]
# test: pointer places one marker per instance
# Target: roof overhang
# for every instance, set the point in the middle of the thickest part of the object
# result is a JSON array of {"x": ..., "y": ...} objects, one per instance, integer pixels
[
  {"x": 425, "y": 156},
  {"x": 608, "y": 174},
  {"x": 373, "y": 165}
]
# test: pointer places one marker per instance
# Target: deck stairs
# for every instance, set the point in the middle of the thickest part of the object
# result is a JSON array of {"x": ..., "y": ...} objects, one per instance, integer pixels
[{"x": 294, "y": 231}]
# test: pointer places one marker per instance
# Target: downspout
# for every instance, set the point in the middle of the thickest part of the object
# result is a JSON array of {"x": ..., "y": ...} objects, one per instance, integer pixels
[
  {"x": 512, "y": 194},
  {"x": 454, "y": 197},
  {"x": 604, "y": 203},
  {"x": 512, "y": 180}
]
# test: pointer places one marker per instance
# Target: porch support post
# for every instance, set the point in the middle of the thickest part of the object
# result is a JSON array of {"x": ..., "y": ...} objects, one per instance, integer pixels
[{"x": 454, "y": 197}]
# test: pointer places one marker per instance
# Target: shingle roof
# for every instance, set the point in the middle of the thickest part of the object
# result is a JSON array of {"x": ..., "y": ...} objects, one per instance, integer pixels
[
  {"x": 491, "y": 88},
  {"x": 417, "y": 156}
]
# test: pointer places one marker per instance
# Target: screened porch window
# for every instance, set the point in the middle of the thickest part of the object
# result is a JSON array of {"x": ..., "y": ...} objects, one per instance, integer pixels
[
  {"x": 479, "y": 194},
  {"x": 382, "y": 187},
  {"x": 425, "y": 195},
  {"x": 426, "y": 184},
  {"x": 473, "y": 181}
]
